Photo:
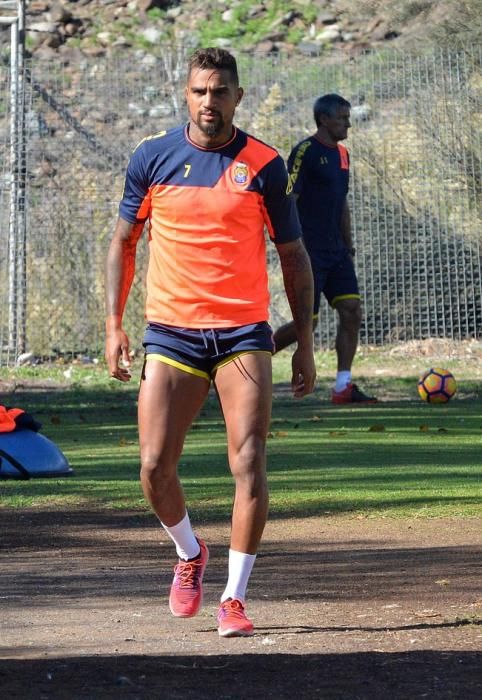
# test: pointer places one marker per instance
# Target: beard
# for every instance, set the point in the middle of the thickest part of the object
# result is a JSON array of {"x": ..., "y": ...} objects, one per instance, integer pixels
[{"x": 211, "y": 129}]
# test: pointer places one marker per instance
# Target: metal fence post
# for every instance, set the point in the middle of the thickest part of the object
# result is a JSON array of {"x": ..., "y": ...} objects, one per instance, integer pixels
[
  {"x": 12, "y": 238},
  {"x": 17, "y": 202},
  {"x": 21, "y": 188}
]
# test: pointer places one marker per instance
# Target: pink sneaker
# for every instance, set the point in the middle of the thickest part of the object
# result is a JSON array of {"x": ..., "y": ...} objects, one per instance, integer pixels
[
  {"x": 232, "y": 620},
  {"x": 186, "y": 595}
]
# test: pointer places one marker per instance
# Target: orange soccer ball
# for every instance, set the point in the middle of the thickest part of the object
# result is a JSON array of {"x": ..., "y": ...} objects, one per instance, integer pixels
[{"x": 437, "y": 385}]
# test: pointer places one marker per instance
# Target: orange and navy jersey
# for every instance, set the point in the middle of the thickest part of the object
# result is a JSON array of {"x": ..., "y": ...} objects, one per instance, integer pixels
[
  {"x": 319, "y": 175},
  {"x": 207, "y": 211}
]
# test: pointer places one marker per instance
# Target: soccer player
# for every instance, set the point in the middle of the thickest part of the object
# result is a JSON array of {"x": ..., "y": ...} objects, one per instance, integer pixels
[
  {"x": 319, "y": 171},
  {"x": 208, "y": 191}
]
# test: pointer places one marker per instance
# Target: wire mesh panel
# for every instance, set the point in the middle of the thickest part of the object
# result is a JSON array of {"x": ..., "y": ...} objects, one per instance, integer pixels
[
  {"x": 414, "y": 193},
  {"x": 5, "y": 188},
  {"x": 415, "y": 183}
]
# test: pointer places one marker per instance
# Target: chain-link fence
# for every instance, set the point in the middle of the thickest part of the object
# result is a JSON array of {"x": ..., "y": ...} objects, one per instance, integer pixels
[{"x": 415, "y": 185}]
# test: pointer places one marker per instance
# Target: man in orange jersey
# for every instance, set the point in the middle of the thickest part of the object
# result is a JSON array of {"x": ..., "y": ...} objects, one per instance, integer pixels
[
  {"x": 208, "y": 191},
  {"x": 319, "y": 169}
]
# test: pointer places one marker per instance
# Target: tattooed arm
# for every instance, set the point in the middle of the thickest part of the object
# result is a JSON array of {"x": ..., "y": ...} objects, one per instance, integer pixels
[
  {"x": 119, "y": 274},
  {"x": 298, "y": 282}
]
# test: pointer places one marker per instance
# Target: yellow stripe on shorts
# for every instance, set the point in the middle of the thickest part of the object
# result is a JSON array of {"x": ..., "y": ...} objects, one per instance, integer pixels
[
  {"x": 238, "y": 354},
  {"x": 177, "y": 365},
  {"x": 335, "y": 300}
]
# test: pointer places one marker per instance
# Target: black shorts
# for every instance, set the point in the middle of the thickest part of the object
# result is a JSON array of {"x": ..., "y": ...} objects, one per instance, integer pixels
[
  {"x": 203, "y": 351},
  {"x": 334, "y": 276}
]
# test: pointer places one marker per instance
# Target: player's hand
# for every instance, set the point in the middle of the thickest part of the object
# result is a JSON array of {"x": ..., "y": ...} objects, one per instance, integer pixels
[
  {"x": 117, "y": 355},
  {"x": 304, "y": 372}
]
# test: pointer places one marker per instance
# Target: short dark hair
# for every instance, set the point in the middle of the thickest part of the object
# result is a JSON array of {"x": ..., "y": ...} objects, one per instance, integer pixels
[
  {"x": 219, "y": 59},
  {"x": 329, "y": 105}
]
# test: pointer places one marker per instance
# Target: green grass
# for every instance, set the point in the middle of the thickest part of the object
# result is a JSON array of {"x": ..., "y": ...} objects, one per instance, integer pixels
[{"x": 400, "y": 458}]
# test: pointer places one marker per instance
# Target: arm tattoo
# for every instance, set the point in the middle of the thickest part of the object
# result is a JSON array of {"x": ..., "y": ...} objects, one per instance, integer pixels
[{"x": 298, "y": 281}]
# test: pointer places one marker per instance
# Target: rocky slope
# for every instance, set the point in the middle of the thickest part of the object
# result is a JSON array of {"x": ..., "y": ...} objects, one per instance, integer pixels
[{"x": 96, "y": 27}]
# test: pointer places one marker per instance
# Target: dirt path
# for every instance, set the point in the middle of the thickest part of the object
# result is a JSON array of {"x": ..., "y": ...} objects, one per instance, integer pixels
[{"x": 343, "y": 607}]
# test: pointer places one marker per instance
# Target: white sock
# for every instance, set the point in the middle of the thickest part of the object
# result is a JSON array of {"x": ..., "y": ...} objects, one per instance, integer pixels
[
  {"x": 187, "y": 546},
  {"x": 342, "y": 380},
  {"x": 239, "y": 571}
]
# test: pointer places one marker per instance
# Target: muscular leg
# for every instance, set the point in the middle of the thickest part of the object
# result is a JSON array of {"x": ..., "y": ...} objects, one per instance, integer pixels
[
  {"x": 349, "y": 322},
  {"x": 169, "y": 400},
  {"x": 244, "y": 387}
]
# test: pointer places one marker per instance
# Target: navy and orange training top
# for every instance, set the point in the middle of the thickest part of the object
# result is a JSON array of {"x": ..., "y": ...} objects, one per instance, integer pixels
[
  {"x": 319, "y": 175},
  {"x": 207, "y": 212}
]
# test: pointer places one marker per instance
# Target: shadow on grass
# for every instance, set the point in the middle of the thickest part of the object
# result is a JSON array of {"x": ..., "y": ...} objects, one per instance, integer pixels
[
  {"x": 320, "y": 458},
  {"x": 364, "y": 676}
]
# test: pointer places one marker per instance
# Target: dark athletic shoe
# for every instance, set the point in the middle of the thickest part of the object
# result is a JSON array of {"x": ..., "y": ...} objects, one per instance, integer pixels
[{"x": 351, "y": 394}]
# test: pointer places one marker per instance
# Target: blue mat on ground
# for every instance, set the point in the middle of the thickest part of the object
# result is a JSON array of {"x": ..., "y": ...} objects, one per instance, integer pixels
[{"x": 25, "y": 454}]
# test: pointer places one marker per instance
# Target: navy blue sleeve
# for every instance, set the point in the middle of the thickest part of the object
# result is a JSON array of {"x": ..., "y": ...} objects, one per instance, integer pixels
[
  {"x": 297, "y": 165},
  {"x": 136, "y": 188},
  {"x": 281, "y": 213}
]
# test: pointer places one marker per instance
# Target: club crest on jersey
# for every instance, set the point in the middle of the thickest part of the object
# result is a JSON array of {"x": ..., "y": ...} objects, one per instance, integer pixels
[{"x": 240, "y": 173}]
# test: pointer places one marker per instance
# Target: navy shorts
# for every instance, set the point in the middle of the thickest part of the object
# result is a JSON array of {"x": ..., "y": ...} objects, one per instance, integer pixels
[
  {"x": 334, "y": 276},
  {"x": 203, "y": 351}
]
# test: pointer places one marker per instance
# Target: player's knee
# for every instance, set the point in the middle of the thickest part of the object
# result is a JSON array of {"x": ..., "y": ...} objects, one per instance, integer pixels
[
  {"x": 357, "y": 315},
  {"x": 351, "y": 314},
  {"x": 154, "y": 469},
  {"x": 248, "y": 466}
]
